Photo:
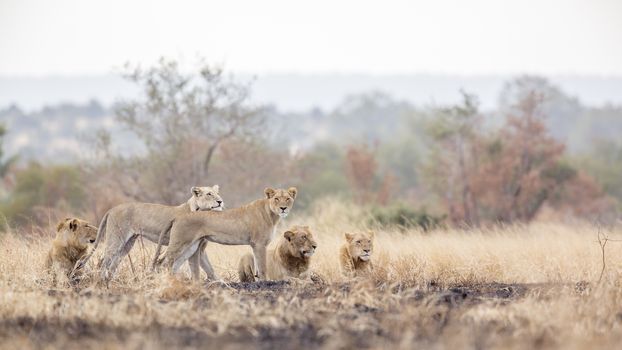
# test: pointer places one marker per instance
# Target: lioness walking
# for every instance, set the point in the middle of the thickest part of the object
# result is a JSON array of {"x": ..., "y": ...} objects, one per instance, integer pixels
[
  {"x": 126, "y": 222},
  {"x": 253, "y": 224}
]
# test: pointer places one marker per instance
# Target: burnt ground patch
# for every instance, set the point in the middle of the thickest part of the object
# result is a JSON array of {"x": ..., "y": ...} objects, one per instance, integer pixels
[{"x": 360, "y": 323}]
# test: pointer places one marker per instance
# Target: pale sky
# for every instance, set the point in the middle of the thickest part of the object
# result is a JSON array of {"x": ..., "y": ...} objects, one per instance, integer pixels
[{"x": 65, "y": 37}]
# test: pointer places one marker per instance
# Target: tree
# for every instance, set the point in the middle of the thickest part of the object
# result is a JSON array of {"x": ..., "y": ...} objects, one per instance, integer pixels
[
  {"x": 5, "y": 165},
  {"x": 523, "y": 166},
  {"x": 509, "y": 174},
  {"x": 453, "y": 164},
  {"x": 182, "y": 120},
  {"x": 361, "y": 171}
]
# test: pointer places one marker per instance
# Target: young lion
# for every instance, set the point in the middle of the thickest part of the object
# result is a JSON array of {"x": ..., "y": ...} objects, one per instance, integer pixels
[
  {"x": 355, "y": 254},
  {"x": 125, "y": 222},
  {"x": 251, "y": 224},
  {"x": 71, "y": 243},
  {"x": 290, "y": 258}
]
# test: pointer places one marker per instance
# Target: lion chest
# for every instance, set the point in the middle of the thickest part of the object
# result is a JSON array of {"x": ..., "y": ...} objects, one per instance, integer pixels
[
  {"x": 71, "y": 253},
  {"x": 293, "y": 266}
]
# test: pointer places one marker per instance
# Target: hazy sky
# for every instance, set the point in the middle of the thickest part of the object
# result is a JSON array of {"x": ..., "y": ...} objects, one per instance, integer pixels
[{"x": 64, "y": 37}]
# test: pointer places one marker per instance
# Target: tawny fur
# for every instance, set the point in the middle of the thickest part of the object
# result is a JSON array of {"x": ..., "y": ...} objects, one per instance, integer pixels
[
  {"x": 251, "y": 224},
  {"x": 290, "y": 258},
  {"x": 123, "y": 224},
  {"x": 73, "y": 237},
  {"x": 355, "y": 254}
]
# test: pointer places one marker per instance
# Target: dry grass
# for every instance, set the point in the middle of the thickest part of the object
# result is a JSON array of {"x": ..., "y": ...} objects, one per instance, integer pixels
[{"x": 530, "y": 286}]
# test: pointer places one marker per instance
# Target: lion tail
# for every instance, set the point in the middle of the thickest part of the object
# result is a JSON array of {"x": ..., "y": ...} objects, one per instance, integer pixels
[{"x": 101, "y": 233}]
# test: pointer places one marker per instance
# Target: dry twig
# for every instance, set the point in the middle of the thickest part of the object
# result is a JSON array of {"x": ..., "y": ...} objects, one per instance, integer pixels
[{"x": 602, "y": 241}]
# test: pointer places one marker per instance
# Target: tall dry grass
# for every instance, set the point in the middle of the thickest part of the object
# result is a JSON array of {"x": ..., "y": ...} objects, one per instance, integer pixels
[{"x": 553, "y": 269}]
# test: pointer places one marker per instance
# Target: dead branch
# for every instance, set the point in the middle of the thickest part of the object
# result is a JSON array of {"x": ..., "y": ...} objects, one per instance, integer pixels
[{"x": 602, "y": 242}]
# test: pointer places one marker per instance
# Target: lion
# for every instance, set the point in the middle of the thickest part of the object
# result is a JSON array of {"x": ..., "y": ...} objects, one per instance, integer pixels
[
  {"x": 290, "y": 257},
  {"x": 253, "y": 224},
  {"x": 124, "y": 223},
  {"x": 355, "y": 254},
  {"x": 73, "y": 237}
]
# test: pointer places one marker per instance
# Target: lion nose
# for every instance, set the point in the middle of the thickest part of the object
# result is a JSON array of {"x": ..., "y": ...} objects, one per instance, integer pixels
[
  {"x": 366, "y": 251},
  {"x": 92, "y": 240},
  {"x": 219, "y": 202},
  {"x": 283, "y": 208}
]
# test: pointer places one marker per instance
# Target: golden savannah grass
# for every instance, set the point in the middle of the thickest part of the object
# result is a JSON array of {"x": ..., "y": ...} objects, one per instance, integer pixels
[{"x": 522, "y": 287}]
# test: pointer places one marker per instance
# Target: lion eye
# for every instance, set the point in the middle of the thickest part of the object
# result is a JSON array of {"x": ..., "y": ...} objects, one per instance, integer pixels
[
  {"x": 358, "y": 242},
  {"x": 209, "y": 194}
]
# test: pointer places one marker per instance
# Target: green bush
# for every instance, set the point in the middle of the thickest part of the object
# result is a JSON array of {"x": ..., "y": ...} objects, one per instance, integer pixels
[
  {"x": 405, "y": 217},
  {"x": 41, "y": 187}
]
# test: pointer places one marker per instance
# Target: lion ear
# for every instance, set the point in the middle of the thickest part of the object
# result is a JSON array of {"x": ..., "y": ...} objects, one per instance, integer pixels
[
  {"x": 371, "y": 234},
  {"x": 62, "y": 224},
  {"x": 269, "y": 192},
  {"x": 293, "y": 191},
  {"x": 216, "y": 188},
  {"x": 288, "y": 235},
  {"x": 349, "y": 237},
  {"x": 195, "y": 190},
  {"x": 73, "y": 224}
]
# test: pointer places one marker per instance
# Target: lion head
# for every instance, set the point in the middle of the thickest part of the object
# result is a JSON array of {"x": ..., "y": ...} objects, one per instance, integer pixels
[
  {"x": 280, "y": 200},
  {"x": 300, "y": 241},
  {"x": 76, "y": 232},
  {"x": 360, "y": 245},
  {"x": 206, "y": 198}
]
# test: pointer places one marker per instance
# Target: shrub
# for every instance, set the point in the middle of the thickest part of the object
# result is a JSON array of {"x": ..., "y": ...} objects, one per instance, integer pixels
[
  {"x": 41, "y": 189},
  {"x": 404, "y": 217}
]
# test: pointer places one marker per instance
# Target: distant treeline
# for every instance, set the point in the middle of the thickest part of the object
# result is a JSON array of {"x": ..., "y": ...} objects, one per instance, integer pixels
[{"x": 540, "y": 153}]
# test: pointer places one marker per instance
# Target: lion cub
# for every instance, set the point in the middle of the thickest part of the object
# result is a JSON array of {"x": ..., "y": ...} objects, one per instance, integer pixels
[
  {"x": 355, "y": 254},
  {"x": 71, "y": 243},
  {"x": 289, "y": 259}
]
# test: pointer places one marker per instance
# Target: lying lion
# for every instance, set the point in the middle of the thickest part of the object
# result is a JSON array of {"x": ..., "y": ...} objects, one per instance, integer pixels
[
  {"x": 289, "y": 259},
  {"x": 73, "y": 237},
  {"x": 253, "y": 224},
  {"x": 355, "y": 254},
  {"x": 124, "y": 223}
]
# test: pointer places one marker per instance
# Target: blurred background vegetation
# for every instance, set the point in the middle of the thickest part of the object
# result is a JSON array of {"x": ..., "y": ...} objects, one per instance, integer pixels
[{"x": 540, "y": 154}]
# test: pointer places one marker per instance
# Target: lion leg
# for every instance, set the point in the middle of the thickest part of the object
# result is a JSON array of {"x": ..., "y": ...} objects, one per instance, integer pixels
[
  {"x": 116, "y": 254},
  {"x": 194, "y": 262},
  {"x": 246, "y": 268},
  {"x": 206, "y": 265},
  {"x": 185, "y": 253},
  {"x": 113, "y": 246},
  {"x": 259, "y": 251}
]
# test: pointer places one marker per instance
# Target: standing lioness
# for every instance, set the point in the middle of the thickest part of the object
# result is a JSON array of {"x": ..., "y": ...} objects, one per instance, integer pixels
[
  {"x": 251, "y": 224},
  {"x": 125, "y": 222},
  {"x": 290, "y": 258}
]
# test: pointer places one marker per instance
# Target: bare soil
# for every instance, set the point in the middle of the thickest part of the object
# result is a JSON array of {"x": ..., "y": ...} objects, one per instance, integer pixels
[{"x": 416, "y": 315}]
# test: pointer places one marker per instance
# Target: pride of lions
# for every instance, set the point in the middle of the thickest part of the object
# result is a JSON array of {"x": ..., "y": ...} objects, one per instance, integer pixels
[{"x": 187, "y": 228}]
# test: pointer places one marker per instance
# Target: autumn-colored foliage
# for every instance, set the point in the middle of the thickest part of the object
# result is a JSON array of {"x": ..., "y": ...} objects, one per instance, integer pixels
[
  {"x": 362, "y": 171},
  {"x": 509, "y": 174}
]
